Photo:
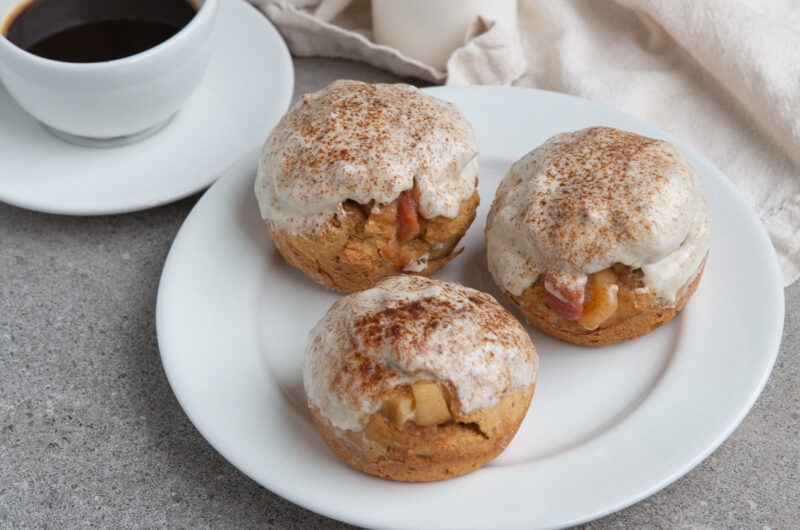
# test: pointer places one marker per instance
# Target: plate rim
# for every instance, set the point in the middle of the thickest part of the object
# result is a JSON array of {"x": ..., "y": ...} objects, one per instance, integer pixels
[{"x": 721, "y": 436}]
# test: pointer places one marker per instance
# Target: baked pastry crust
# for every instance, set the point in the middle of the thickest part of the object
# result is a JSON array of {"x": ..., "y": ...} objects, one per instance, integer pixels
[
  {"x": 638, "y": 314},
  {"x": 423, "y": 454},
  {"x": 359, "y": 250},
  {"x": 370, "y": 358}
]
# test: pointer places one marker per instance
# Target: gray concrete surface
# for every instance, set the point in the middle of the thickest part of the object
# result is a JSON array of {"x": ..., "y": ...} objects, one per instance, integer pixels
[{"x": 91, "y": 434}]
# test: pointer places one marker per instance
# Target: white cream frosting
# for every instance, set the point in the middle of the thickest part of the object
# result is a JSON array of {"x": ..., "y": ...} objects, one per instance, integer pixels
[
  {"x": 417, "y": 265},
  {"x": 585, "y": 200},
  {"x": 407, "y": 329},
  {"x": 364, "y": 142}
]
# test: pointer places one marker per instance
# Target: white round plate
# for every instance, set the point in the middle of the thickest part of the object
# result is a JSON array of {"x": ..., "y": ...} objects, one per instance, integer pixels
[
  {"x": 247, "y": 87},
  {"x": 607, "y": 427}
]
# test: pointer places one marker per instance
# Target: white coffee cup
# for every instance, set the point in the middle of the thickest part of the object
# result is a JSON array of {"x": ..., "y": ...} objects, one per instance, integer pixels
[
  {"x": 430, "y": 30},
  {"x": 116, "y": 101}
]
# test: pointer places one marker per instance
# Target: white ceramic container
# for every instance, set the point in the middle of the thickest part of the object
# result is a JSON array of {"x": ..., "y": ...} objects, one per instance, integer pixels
[{"x": 430, "y": 30}]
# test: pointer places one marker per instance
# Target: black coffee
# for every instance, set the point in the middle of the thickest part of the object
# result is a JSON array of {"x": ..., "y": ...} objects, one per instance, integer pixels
[{"x": 89, "y": 31}]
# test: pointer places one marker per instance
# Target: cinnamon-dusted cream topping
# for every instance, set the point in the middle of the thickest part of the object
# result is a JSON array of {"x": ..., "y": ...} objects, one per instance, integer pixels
[
  {"x": 411, "y": 328},
  {"x": 586, "y": 200},
  {"x": 365, "y": 143}
]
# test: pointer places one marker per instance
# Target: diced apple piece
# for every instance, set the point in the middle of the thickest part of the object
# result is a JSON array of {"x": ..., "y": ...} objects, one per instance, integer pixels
[
  {"x": 397, "y": 409},
  {"x": 602, "y": 302},
  {"x": 566, "y": 309},
  {"x": 430, "y": 408},
  {"x": 407, "y": 218}
]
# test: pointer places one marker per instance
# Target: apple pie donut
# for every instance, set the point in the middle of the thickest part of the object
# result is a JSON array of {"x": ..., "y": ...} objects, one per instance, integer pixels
[
  {"x": 418, "y": 379},
  {"x": 599, "y": 235},
  {"x": 360, "y": 181}
]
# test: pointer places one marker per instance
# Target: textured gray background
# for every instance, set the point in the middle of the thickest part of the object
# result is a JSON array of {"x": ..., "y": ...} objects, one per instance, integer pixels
[{"x": 90, "y": 432}]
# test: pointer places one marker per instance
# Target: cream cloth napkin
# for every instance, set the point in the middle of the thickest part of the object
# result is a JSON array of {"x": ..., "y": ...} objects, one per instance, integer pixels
[{"x": 722, "y": 75}]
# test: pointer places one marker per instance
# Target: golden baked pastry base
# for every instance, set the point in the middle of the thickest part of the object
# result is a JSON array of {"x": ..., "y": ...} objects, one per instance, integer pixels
[
  {"x": 354, "y": 255},
  {"x": 637, "y": 314},
  {"x": 421, "y": 454}
]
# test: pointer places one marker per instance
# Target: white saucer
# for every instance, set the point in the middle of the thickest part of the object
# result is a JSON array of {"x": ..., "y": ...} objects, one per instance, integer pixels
[{"x": 247, "y": 87}]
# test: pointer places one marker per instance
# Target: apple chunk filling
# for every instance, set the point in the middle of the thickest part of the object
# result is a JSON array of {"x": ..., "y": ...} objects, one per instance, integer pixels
[
  {"x": 430, "y": 407},
  {"x": 602, "y": 302},
  {"x": 425, "y": 407},
  {"x": 398, "y": 409},
  {"x": 592, "y": 306}
]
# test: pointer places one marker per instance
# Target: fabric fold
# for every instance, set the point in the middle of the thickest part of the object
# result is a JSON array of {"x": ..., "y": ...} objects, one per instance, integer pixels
[
  {"x": 491, "y": 55},
  {"x": 753, "y": 57},
  {"x": 307, "y": 35}
]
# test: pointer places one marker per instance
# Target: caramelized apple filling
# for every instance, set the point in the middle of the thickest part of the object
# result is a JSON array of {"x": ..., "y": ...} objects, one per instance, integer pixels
[
  {"x": 397, "y": 221},
  {"x": 594, "y": 305},
  {"x": 407, "y": 220},
  {"x": 373, "y": 240},
  {"x": 425, "y": 406},
  {"x": 601, "y": 301},
  {"x": 430, "y": 407},
  {"x": 398, "y": 409}
]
